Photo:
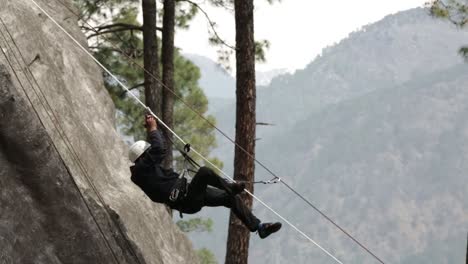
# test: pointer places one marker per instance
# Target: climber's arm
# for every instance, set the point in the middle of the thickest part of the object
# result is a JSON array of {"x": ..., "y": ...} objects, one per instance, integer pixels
[{"x": 157, "y": 151}]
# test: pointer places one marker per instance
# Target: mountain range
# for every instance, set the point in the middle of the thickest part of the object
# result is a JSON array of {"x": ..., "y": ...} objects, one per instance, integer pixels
[{"x": 374, "y": 133}]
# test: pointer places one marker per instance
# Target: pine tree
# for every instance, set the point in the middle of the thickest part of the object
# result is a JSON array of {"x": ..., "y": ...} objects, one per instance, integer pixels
[
  {"x": 244, "y": 166},
  {"x": 153, "y": 89},
  {"x": 168, "y": 72}
]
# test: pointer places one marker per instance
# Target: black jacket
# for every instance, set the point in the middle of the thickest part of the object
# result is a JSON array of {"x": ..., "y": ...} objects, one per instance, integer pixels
[{"x": 148, "y": 174}]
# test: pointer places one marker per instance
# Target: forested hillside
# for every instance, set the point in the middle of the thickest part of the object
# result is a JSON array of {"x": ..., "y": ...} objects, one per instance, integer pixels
[{"x": 374, "y": 132}]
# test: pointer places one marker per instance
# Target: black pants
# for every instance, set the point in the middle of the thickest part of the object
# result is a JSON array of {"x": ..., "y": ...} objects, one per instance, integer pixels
[{"x": 201, "y": 193}]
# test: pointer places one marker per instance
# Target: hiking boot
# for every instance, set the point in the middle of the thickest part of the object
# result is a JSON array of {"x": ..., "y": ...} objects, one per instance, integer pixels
[
  {"x": 267, "y": 229},
  {"x": 236, "y": 188}
]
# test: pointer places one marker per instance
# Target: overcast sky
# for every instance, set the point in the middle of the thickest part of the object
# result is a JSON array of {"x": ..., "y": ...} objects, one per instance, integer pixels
[{"x": 296, "y": 29}]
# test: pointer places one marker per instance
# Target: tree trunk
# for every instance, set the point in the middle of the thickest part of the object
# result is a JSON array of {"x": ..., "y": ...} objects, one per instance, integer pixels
[
  {"x": 467, "y": 250},
  {"x": 244, "y": 166},
  {"x": 153, "y": 94},
  {"x": 168, "y": 74}
]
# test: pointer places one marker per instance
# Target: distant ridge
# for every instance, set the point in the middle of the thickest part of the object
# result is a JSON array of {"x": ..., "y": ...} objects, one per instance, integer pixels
[{"x": 374, "y": 132}]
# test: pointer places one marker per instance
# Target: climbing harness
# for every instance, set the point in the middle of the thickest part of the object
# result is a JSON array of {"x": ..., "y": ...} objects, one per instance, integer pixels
[{"x": 179, "y": 190}]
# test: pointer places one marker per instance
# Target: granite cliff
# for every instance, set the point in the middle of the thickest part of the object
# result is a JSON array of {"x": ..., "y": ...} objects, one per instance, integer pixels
[{"x": 66, "y": 194}]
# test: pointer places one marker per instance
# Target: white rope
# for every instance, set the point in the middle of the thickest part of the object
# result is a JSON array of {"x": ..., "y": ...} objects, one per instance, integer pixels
[{"x": 177, "y": 136}]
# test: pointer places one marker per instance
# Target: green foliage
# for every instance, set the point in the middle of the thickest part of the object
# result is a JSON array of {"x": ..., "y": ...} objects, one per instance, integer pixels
[
  {"x": 456, "y": 11},
  {"x": 112, "y": 53},
  {"x": 224, "y": 50},
  {"x": 187, "y": 123},
  {"x": 113, "y": 50},
  {"x": 185, "y": 12},
  {"x": 228, "y": 3},
  {"x": 206, "y": 257},
  {"x": 260, "y": 47},
  {"x": 101, "y": 9},
  {"x": 438, "y": 11},
  {"x": 195, "y": 225},
  {"x": 464, "y": 52}
]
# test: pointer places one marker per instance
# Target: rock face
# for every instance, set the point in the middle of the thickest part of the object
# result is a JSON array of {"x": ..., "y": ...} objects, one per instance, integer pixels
[
  {"x": 66, "y": 191},
  {"x": 41, "y": 204}
]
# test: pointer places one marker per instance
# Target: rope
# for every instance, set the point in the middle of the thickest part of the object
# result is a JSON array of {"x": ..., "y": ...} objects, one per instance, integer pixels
[
  {"x": 176, "y": 135},
  {"x": 65, "y": 139},
  {"x": 276, "y": 177}
]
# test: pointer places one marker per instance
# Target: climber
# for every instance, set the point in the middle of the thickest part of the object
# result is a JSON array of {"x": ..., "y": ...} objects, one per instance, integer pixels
[{"x": 206, "y": 188}]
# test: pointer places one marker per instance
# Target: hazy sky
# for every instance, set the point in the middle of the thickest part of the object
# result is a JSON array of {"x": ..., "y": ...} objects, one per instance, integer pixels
[{"x": 296, "y": 29}]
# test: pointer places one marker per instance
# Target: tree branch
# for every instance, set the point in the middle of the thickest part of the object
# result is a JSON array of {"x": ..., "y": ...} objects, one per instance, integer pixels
[
  {"x": 113, "y": 31},
  {"x": 85, "y": 28},
  {"x": 212, "y": 24},
  {"x": 222, "y": 4},
  {"x": 132, "y": 88},
  {"x": 122, "y": 25},
  {"x": 118, "y": 27},
  {"x": 264, "y": 124},
  {"x": 134, "y": 53}
]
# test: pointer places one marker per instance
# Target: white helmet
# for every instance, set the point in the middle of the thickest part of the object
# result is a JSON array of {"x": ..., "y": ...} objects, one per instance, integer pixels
[{"x": 137, "y": 149}]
